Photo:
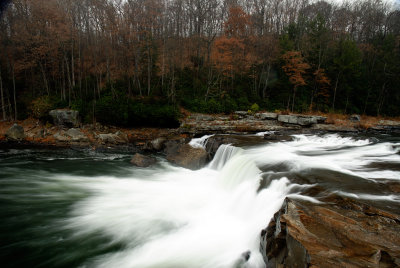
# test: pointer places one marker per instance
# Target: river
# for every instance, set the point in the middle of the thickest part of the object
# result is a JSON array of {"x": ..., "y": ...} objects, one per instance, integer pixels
[{"x": 68, "y": 208}]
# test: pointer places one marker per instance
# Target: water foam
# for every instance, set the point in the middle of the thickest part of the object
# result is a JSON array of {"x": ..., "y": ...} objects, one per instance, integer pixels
[
  {"x": 183, "y": 218},
  {"x": 209, "y": 218}
]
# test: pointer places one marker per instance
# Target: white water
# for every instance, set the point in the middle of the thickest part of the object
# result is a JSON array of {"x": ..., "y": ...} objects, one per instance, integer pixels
[
  {"x": 174, "y": 217},
  {"x": 200, "y": 142},
  {"x": 332, "y": 152}
]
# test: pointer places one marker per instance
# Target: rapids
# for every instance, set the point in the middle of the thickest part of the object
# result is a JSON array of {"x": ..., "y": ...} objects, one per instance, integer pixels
[{"x": 85, "y": 209}]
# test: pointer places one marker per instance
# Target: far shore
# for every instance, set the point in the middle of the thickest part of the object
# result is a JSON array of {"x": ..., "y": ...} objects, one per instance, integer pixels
[{"x": 95, "y": 136}]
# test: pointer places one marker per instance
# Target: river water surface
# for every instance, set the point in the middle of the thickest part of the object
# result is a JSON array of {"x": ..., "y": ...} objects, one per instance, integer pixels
[{"x": 65, "y": 208}]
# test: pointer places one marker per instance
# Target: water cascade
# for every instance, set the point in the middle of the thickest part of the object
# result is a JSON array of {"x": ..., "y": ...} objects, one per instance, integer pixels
[{"x": 98, "y": 211}]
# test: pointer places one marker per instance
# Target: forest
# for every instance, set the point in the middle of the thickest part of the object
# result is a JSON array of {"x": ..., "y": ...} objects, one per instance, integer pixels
[{"x": 138, "y": 62}]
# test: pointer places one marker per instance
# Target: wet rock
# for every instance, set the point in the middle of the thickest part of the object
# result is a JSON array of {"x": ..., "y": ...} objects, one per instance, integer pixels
[
  {"x": 16, "y": 133},
  {"x": 142, "y": 160},
  {"x": 65, "y": 117},
  {"x": 156, "y": 144},
  {"x": 334, "y": 128},
  {"x": 188, "y": 157},
  {"x": 355, "y": 118},
  {"x": 172, "y": 146},
  {"x": 339, "y": 233},
  {"x": 76, "y": 135}
]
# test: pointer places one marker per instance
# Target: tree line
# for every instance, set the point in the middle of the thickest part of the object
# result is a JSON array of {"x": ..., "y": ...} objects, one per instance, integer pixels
[{"x": 125, "y": 62}]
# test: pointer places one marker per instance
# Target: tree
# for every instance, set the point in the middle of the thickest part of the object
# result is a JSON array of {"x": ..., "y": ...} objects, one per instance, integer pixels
[{"x": 295, "y": 68}]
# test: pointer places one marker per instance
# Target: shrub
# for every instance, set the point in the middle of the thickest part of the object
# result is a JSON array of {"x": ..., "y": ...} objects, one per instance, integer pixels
[
  {"x": 254, "y": 108},
  {"x": 41, "y": 107},
  {"x": 129, "y": 113}
]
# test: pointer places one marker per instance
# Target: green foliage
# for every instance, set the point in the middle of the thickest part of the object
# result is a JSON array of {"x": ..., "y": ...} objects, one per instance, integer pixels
[
  {"x": 41, "y": 107},
  {"x": 255, "y": 108},
  {"x": 128, "y": 112}
]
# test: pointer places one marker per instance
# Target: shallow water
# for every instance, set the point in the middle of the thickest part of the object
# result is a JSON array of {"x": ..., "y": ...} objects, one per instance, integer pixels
[{"x": 85, "y": 209}]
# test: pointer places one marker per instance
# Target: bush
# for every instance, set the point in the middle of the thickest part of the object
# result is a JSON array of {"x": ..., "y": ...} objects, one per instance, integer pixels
[
  {"x": 129, "y": 113},
  {"x": 41, "y": 107},
  {"x": 254, "y": 108}
]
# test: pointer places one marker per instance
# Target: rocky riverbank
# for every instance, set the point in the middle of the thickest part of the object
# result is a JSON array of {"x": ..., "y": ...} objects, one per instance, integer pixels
[
  {"x": 337, "y": 232},
  {"x": 67, "y": 131}
]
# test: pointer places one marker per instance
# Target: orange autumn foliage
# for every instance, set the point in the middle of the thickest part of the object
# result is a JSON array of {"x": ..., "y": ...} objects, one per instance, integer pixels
[{"x": 295, "y": 68}]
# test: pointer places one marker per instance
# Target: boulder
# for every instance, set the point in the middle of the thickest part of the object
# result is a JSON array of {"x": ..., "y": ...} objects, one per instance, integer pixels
[
  {"x": 112, "y": 138},
  {"x": 65, "y": 117},
  {"x": 298, "y": 119},
  {"x": 16, "y": 133},
  {"x": 156, "y": 144},
  {"x": 339, "y": 233},
  {"x": 355, "y": 118},
  {"x": 76, "y": 135},
  {"x": 188, "y": 157},
  {"x": 267, "y": 116},
  {"x": 142, "y": 160},
  {"x": 60, "y": 136}
]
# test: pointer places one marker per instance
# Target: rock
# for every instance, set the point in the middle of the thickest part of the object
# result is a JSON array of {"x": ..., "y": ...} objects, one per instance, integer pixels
[
  {"x": 355, "y": 118},
  {"x": 60, "y": 136},
  {"x": 188, "y": 157},
  {"x": 301, "y": 120},
  {"x": 76, "y": 135},
  {"x": 334, "y": 128},
  {"x": 142, "y": 160},
  {"x": 16, "y": 133},
  {"x": 156, "y": 144},
  {"x": 339, "y": 233},
  {"x": 123, "y": 137},
  {"x": 241, "y": 114},
  {"x": 320, "y": 119},
  {"x": 267, "y": 116},
  {"x": 172, "y": 146},
  {"x": 112, "y": 138},
  {"x": 65, "y": 117}
]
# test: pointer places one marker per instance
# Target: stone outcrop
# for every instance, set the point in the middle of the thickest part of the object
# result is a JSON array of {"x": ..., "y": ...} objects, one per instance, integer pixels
[
  {"x": 339, "y": 233},
  {"x": 142, "y": 160},
  {"x": 65, "y": 117},
  {"x": 15, "y": 133},
  {"x": 302, "y": 120},
  {"x": 267, "y": 116},
  {"x": 188, "y": 157}
]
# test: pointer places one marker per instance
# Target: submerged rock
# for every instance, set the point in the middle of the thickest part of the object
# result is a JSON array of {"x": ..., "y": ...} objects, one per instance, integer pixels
[
  {"x": 341, "y": 233},
  {"x": 142, "y": 160},
  {"x": 188, "y": 157},
  {"x": 65, "y": 117},
  {"x": 16, "y": 133}
]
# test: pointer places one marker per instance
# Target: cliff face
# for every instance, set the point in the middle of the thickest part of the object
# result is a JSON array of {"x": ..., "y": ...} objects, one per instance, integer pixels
[{"x": 339, "y": 233}]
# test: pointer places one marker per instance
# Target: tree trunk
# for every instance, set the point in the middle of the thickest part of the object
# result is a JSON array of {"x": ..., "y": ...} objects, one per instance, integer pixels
[
  {"x": 266, "y": 81},
  {"x": 148, "y": 71},
  {"x": 294, "y": 95},
  {"x": 334, "y": 92},
  {"x": 15, "y": 94},
  {"x": 3, "y": 107}
]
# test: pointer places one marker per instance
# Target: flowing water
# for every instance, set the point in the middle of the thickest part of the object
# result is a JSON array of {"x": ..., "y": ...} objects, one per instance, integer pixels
[{"x": 84, "y": 209}]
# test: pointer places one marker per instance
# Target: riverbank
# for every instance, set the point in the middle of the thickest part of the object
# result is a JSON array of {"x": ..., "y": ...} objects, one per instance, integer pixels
[{"x": 97, "y": 136}]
